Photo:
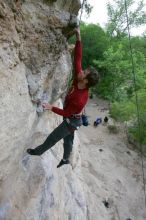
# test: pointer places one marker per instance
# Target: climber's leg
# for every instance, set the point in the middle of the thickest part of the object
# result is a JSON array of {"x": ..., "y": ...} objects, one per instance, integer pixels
[
  {"x": 60, "y": 132},
  {"x": 68, "y": 145}
]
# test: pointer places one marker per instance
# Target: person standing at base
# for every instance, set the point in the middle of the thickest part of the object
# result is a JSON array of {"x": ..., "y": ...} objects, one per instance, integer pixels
[{"x": 74, "y": 103}]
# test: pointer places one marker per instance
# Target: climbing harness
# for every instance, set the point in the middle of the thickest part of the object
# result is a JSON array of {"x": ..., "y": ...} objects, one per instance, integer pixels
[
  {"x": 71, "y": 127},
  {"x": 136, "y": 98}
]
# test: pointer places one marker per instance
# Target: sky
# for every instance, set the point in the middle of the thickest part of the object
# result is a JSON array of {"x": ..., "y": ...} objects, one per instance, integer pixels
[
  {"x": 99, "y": 15},
  {"x": 99, "y": 12}
]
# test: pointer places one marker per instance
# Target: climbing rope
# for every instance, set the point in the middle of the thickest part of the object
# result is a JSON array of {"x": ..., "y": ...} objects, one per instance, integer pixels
[{"x": 136, "y": 98}]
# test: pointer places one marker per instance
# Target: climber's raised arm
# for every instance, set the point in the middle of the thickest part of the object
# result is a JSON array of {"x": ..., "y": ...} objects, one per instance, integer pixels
[
  {"x": 78, "y": 53},
  {"x": 77, "y": 33}
]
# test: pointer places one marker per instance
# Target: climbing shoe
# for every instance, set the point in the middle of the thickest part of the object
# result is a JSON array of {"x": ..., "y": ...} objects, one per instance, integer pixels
[
  {"x": 32, "y": 152},
  {"x": 62, "y": 162}
]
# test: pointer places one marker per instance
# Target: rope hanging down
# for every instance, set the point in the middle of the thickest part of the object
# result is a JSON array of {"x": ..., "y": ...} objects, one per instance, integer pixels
[{"x": 136, "y": 99}]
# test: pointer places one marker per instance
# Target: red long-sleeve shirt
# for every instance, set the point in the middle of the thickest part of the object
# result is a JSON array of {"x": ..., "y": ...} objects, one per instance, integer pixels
[{"x": 76, "y": 98}]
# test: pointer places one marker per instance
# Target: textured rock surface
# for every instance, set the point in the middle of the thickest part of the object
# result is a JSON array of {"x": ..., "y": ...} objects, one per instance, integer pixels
[{"x": 34, "y": 66}]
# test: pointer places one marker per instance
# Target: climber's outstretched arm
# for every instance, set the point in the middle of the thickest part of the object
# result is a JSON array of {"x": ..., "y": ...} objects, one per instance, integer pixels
[{"x": 77, "y": 53}]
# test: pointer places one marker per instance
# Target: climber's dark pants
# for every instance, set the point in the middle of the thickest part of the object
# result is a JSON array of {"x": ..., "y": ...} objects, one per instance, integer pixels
[{"x": 66, "y": 131}]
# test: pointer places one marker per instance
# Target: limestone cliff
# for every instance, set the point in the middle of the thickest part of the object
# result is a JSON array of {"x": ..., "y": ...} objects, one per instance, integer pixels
[{"x": 34, "y": 66}]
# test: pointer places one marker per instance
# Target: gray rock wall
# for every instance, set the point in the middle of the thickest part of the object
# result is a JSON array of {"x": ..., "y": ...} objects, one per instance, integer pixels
[{"x": 34, "y": 67}]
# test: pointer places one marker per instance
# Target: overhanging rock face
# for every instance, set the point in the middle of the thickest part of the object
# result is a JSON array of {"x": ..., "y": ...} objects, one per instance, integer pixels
[{"x": 34, "y": 67}]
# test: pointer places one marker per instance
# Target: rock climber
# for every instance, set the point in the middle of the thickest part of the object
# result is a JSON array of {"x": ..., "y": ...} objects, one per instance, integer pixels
[{"x": 74, "y": 103}]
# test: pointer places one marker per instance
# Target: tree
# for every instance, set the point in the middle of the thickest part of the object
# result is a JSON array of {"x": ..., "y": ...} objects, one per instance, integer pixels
[
  {"x": 127, "y": 111},
  {"x": 85, "y": 7},
  {"x": 95, "y": 42},
  {"x": 117, "y": 80},
  {"x": 117, "y": 24}
]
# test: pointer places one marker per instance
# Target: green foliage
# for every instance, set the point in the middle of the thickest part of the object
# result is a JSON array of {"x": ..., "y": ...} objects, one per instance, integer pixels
[
  {"x": 133, "y": 110},
  {"x": 117, "y": 79},
  {"x": 117, "y": 24},
  {"x": 139, "y": 44},
  {"x": 122, "y": 111},
  {"x": 95, "y": 42}
]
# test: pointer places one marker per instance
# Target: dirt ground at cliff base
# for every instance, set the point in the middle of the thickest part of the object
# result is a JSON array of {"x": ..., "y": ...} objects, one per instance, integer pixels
[{"x": 112, "y": 170}]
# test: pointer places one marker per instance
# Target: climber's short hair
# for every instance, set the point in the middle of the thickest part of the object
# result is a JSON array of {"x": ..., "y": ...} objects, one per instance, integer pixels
[{"x": 92, "y": 77}]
